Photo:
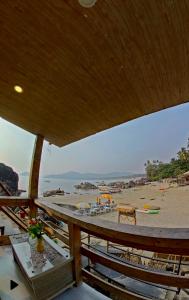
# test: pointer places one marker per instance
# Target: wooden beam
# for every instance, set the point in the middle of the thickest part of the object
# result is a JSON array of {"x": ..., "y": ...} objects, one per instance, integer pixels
[
  {"x": 34, "y": 174},
  {"x": 137, "y": 272},
  {"x": 4, "y": 240},
  {"x": 35, "y": 167},
  {"x": 56, "y": 233},
  {"x": 22, "y": 209},
  {"x": 13, "y": 201},
  {"x": 14, "y": 217},
  {"x": 58, "y": 228},
  {"x": 120, "y": 293},
  {"x": 75, "y": 251},
  {"x": 5, "y": 189}
]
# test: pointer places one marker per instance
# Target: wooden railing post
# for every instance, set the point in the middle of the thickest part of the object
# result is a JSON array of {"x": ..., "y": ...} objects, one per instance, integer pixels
[
  {"x": 34, "y": 175},
  {"x": 75, "y": 251}
]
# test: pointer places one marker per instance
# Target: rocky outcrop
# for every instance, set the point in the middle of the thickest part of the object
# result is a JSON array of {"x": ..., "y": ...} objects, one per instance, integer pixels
[
  {"x": 85, "y": 186},
  {"x": 125, "y": 185},
  {"x": 9, "y": 178}
]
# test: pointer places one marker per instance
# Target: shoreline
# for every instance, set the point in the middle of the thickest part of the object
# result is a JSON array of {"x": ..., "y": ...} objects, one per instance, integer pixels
[{"x": 172, "y": 200}]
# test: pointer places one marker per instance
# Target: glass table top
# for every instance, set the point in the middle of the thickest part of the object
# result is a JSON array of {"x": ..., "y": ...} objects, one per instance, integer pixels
[{"x": 33, "y": 262}]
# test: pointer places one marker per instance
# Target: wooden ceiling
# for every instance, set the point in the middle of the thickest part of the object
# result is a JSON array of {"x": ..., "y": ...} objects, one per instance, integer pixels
[{"x": 86, "y": 70}]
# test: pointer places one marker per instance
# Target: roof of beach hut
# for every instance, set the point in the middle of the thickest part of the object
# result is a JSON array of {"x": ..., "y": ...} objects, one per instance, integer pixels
[
  {"x": 68, "y": 72},
  {"x": 106, "y": 196},
  {"x": 186, "y": 174}
]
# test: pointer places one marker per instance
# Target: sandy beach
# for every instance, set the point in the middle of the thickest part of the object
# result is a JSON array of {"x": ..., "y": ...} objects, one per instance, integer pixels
[{"x": 172, "y": 200}]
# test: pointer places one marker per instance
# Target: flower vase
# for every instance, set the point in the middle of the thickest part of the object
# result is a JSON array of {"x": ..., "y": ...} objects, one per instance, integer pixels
[{"x": 40, "y": 245}]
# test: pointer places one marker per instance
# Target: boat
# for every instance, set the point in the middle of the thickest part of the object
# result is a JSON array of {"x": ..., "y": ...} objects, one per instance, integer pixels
[
  {"x": 103, "y": 188},
  {"x": 58, "y": 192},
  {"x": 114, "y": 190},
  {"x": 107, "y": 189}
]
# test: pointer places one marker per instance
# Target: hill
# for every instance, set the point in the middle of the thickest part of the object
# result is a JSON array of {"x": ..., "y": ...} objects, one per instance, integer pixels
[{"x": 92, "y": 176}]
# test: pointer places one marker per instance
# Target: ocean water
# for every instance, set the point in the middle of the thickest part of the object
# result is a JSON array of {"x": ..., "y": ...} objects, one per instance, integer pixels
[{"x": 65, "y": 184}]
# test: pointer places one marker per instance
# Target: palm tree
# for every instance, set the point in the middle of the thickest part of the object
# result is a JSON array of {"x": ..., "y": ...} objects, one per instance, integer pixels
[{"x": 188, "y": 144}]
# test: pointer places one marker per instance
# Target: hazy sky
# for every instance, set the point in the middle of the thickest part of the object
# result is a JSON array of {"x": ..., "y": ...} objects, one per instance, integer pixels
[{"x": 123, "y": 148}]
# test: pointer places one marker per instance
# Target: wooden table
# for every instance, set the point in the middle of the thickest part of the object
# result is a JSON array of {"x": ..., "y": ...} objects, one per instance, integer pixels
[{"x": 48, "y": 273}]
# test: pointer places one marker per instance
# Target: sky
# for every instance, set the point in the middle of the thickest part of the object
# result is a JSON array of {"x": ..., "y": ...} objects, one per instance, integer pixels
[{"x": 123, "y": 148}]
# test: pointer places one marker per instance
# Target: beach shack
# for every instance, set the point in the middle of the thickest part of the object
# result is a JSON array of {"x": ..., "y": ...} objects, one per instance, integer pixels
[
  {"x": 71, "y": 69},
  {"x": 183, "y": 179}
]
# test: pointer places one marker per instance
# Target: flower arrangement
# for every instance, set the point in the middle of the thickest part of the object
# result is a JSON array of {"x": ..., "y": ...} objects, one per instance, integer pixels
[{"x": 35, "y": 229}]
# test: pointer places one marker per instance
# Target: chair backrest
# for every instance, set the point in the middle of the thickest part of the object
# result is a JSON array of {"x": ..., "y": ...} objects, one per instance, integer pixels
[{"x": 2, "y": 230}]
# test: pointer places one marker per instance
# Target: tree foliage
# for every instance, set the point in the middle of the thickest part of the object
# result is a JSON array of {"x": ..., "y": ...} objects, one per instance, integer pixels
[{"x": 157, "y": 170}]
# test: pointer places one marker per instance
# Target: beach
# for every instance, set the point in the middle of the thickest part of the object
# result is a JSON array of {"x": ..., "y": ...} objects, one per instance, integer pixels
[{"x": 172, "y": 200}]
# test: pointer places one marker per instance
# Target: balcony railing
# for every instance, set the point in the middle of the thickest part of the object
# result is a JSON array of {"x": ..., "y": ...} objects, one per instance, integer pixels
[{"x": 162, "y": 240}]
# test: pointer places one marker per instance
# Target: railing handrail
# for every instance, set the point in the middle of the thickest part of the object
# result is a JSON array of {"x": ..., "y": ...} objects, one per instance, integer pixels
[
  {"x": 163, "y": 240},
  {"x": 134, "y": 271},
  {"x": 119, "y": 292},
  {"x": 13, "y": 201}
]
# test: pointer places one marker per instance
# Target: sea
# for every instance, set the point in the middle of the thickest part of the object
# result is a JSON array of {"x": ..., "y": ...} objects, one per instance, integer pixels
[{"x": 64, "y": 184}]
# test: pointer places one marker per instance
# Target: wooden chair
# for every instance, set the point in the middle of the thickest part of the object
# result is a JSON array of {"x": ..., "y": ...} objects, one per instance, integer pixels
[
  {"x": 168, "y": 262},
  {"x": 126, "y": 214}
]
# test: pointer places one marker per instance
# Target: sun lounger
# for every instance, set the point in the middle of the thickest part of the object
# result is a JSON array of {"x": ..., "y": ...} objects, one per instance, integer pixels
[
  {"x": 92, "y": 212},
  {"x": 107, "y": 208},
  {"x": 102, "y": 210}
]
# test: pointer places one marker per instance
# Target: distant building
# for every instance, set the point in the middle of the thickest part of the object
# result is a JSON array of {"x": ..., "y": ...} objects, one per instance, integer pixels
[{"x": 183, "y": 179}]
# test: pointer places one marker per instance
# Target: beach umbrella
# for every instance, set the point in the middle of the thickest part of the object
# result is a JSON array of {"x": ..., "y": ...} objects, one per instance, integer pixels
[
  {"x": 106, "y": 196},
  {"x": 82, "y": 205}
]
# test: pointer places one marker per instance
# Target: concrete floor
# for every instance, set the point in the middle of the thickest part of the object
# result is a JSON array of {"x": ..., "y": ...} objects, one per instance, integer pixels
[
  {"x": 83, "y": 292},
  {"x": 9, "y": 271}
]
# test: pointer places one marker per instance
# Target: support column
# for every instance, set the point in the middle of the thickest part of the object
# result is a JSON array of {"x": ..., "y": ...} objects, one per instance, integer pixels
[
  {"x": 75, "y": 251},
  {"x": 34, "y": 175}
]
